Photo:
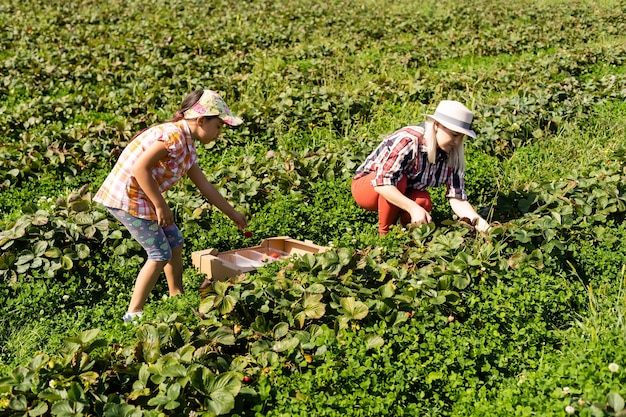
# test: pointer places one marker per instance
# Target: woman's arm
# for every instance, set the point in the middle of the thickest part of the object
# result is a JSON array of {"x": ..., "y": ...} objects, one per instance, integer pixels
[
  {"x": 394, "y": 196},
  {"x": 142, "y": 171},
  {"x": 213, "y": 195},
  {"x": 463, "y": 208}
]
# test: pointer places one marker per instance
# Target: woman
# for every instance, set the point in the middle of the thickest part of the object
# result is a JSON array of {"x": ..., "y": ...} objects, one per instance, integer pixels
[{"x": 394, "y": 179}]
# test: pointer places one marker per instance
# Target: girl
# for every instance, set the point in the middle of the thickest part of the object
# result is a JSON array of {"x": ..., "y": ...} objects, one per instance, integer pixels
[
  {"x": 394, "y": 178},
  {"x": 155, "y": 160}
]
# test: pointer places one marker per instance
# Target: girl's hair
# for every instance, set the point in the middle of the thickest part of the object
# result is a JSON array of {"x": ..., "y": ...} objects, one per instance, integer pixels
[
  {"x": 456, "y": 157},
  {"x": 188, "y": 102}
]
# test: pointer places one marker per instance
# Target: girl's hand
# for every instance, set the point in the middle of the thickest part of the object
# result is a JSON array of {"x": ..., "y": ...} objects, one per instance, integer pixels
[
  {"x": 164, "y": 215},
  {"x": 239, "y": 219}
]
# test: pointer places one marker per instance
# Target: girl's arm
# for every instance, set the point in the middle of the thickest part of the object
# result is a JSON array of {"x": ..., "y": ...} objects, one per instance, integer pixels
[
  {"x": 463, "y": 208},
  {"x": 394, "y": 196},
  {"x": 213, "y": 195},
  {"x": 142, "y": 171}
]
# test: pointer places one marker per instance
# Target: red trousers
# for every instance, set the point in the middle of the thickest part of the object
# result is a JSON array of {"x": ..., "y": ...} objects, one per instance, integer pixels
[{"x": 366, "y": 197}]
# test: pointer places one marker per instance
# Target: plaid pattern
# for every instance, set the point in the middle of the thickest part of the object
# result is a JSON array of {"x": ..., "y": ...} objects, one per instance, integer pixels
[
  {"x": 120, "y": 189},
  {"x": 404, "y": 153}
]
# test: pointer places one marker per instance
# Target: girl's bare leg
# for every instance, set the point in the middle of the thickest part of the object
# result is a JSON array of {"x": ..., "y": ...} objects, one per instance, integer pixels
[
  {"x": 144, "y": 284},
  {"x": 174, "y": 272}
]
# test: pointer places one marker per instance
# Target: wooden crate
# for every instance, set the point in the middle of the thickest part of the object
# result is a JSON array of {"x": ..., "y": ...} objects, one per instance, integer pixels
[{"x": 221, "y": 265}]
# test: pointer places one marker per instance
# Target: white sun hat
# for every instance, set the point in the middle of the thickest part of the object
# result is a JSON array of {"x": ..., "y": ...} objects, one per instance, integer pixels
[{"x": 455, "y": 116}]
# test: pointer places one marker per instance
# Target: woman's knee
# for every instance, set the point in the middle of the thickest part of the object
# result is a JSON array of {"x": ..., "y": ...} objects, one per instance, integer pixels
[{"x": 426, "y": 203}]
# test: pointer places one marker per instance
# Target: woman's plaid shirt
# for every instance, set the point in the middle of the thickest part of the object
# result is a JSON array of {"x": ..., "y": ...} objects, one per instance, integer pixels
[{"x": 404, "y": 153}]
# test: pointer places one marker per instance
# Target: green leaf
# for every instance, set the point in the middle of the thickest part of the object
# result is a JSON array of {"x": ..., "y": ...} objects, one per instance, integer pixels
[
  {"x": 53, "y": 252},
  {"x": 287, "y": 344},
  {"x": 461, "y": 281},
  {"x": 307, "y": 261},
  {"x": 224, "y": 336},
  {"x": 174, "y": 370},
  {"x": 158, "y": 400},
  {"x": 7, "y": 260},
  {"x": 353, "y": 309},
  {"x": 615, "y": 401},
  {"x": 121, "y": 410},
  {"x": 84, "y": 339},
  {"x": 138, "y": 393},
  {"x": 38, "y": 409},
  {"x": 316, "y": 288},
  {"x": 221, "y": 287},
  {"x": 387, "y": 290},
  {"x": 438, "y": 300},
  {"x": 227, "y": 304},
  {"x": 221, "y": 403},
  {"x": 76, "y": 394},
  {"x": 79, "y": 205},
  {"x": 82, "y": 251},
  {"x": 229, "y": 382},
  {"x": 173, "y": 391},
  {"x": 433, "y": 376},
  {"x": 25, "y": 258},
  {"x": 39, "y": 248},
  {"x": 201, "y": 378},
  {"x": 63, "y": 409},
  {"x": 280, "y": 330},
  {"x": 374, "y": 341},
  {"x": 18, "y": 403},
  {"x": 313, "y": 308},
  {"x": 66, "y": 262},
  {"x": 186, "y": 353}
]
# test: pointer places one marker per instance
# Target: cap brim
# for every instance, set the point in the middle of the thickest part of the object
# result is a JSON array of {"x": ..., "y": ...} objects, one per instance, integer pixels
[{"x": 231, "y": 120}]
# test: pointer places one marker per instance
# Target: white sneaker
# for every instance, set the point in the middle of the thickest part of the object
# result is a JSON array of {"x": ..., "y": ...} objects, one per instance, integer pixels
[{"x": 128, "y": 317}]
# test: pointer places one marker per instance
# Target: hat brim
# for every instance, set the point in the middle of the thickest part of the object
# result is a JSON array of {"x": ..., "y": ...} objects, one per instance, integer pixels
[{"x": 468, "y": 132}]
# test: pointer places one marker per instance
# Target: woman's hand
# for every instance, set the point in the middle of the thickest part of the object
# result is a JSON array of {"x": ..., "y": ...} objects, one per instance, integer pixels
[
  {"x": 482, "y": 225},
  {"x": 464, "y": 209},
  {"x": 419, "y": 215}
]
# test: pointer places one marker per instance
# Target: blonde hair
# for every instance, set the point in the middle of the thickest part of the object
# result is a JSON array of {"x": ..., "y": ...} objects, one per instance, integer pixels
[{"x": 456, "y": 157}]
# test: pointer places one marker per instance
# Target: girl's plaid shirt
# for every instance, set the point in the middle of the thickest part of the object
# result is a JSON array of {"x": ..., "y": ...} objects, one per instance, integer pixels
[
  {"x": 120, "y": 189},
  {"x": 404, "y": 153}
]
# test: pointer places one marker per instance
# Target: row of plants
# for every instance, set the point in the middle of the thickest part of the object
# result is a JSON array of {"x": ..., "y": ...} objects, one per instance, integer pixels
[
  {"x": 68, "y": 149},
  {"x": 257, "y": 332}
]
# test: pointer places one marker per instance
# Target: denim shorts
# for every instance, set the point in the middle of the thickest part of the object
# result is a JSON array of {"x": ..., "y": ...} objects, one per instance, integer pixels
[{"x": 157, "y": 241}]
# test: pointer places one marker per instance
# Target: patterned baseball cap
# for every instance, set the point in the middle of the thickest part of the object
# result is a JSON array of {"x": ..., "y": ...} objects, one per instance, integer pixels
[{"x": 211, "y": 104}]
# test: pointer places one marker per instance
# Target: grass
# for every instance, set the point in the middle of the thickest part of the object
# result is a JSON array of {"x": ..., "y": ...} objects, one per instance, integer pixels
[{"x": 574, "y": 149}]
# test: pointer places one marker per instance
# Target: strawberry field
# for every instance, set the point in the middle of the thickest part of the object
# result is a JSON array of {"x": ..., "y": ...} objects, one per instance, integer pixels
[{"x": 433, "y": 320}]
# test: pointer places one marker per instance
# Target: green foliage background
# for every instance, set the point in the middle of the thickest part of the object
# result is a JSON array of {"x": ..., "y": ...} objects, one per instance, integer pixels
[{"x": 528, "y": 320}]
